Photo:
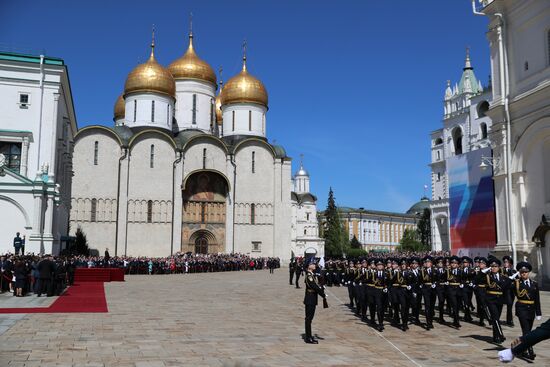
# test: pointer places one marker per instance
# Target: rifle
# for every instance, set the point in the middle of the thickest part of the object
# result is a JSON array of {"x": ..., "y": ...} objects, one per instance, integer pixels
[{"x": 325, "y": 303}]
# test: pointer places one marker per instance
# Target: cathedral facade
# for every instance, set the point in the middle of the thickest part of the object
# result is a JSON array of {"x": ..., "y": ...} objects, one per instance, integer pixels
[{"x": 187, "y": 167}]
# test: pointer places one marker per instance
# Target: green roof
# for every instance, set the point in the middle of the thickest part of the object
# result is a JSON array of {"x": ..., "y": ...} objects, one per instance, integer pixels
[{"x": 10, "y": 56}]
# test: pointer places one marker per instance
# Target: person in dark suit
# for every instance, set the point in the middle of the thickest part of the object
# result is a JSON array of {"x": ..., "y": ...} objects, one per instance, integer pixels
[
  {"x": 20, "y": 277},
  {"x": 313, "y": 291},
  {"x": 496, "y": 285},
  {"x": 453, "y": 282},
  {"x": 46, "y": 270},
  {"x": 291, "y": 269},
  {"x": 428, "y": 284},
  {"x": 298, "y": 271},
  {"x": 106, "y": 258}
]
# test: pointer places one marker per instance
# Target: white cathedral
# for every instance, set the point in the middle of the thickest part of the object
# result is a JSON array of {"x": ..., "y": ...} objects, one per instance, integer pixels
[{"x": 187, "y": 167}]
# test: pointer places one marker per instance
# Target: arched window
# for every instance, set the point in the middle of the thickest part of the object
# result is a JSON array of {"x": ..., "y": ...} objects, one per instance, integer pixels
[
  {"x": 263, "y": 123},
  {"x": 152, "y": 157},
  {"x": 194, "y": 110},
  {"x": 438, "y": 155},
  {"x": 150, "y": 211},
  {"x": 168, "y": 114},
  {"x": 135, "y": 109},
  {"x": 204, "y": 158},
  {"x": 249, "y": 120},
  {"x": 438, "y": 141},
  {"x": 211, "y": 115},
  {"x": 233, "y": 127},
  {"x": 457, "y": 140},
  {"x": 482, "y": 109},
  {"x": 152, "y": 111},
  {"x": 438, "y": 176},
  {"x": 96, "y": 152},
  {"x": 253, "y": 162},
  {"x": 483, "y": 128},
  {"x": 252, "y": 213},
  {"x": 93, "y": 211}
]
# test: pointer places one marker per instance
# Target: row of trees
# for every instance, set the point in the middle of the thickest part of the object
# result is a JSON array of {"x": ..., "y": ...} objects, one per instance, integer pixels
[{"x": 337, "y": 241}]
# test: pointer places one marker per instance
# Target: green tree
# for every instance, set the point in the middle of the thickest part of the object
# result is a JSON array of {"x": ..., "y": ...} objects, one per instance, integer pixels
[
  {"x": 354, "y": 243},
  {"x": 410, "y": 242},
  {"x": 424, "y": 229},
  {"x": 336, "y": 241},
  {"x": 81, "y": 243}
]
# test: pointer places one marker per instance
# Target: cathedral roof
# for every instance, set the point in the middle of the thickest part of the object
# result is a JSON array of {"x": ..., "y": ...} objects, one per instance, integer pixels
[
  {"x": 468, "y": 82},
  {"x": 305, "y": 197},
  {"x": 244, "y": 88},
  {"x": 418, "y": 208}
]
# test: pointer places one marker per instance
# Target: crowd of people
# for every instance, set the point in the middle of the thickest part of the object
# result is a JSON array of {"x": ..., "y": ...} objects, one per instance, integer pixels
[
  {"x": 24, "y": 274},
  {"x": 401, "y": 289}
]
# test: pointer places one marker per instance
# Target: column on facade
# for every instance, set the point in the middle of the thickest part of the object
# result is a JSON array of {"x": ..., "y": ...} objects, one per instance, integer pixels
[
  {"x": 25, "y": 156},
  {"x": 48, "y": 216},
  {"x": 521, "y": 206}
]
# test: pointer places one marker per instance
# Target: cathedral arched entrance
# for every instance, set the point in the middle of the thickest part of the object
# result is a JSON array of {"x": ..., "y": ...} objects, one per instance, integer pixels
[{"x": 204, "y": 196}]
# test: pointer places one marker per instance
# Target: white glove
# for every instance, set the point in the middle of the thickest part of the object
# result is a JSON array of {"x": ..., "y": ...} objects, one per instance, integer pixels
[
  {"x": 409, "y": 287},
  {"x": 472, "y": 285},
  {"x": 414, "y": 295},
  {"x": 539, "y": 318},
  {"x": 461, "y": 285},
  {"x": 433, "y": 286},
  {"x": 484, "y": 271},
  {"x": 506, "y": 355},
  {"x": 446, "y": 283},
  {"x": 385, "y": 290},
  {"x": 515, "y": 275}
]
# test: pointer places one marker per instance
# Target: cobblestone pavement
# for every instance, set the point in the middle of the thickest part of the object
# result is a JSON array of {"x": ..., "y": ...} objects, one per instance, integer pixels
[{"x": 233, "y": 319}]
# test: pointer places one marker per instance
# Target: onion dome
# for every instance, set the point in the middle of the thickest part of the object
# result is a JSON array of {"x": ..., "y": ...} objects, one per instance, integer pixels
[
  {"x": 301, "y": 172},
  {"x": 190, "y": 66},
  {"x": 150, "y": 77},
  {"x": 244, "y": 88},
  {"x": 119, "y": 108}
]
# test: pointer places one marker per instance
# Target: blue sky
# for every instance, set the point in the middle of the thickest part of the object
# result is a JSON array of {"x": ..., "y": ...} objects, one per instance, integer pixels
[{"x": 356, "y": 86}]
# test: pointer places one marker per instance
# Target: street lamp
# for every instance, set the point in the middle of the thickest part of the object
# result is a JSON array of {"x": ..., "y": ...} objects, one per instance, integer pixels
[{"x": 489, "y": 161}]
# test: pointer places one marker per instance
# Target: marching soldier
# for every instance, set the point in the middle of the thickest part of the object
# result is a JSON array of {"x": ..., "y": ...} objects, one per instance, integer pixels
[
  {"x": 427, "y": 285},
  {"x": 468, "y": 275},
  {"x": 361, "y": 289},
  {"x": 291, "y": 268},
  {"x": 440, "y": 288},
  {"x": 454, "y": 285},
  {"x": 350, "y": 275},
  {"x": 508, "y": 271},
  {"x": 496, "y": 285},
  {"x": 400, "y": 287},
  {"x": 528, "y": 302},
  {"x": 415, "y": 297},
  {"x": 377, "y": 291},
  {"x": 480, "y": 291},
  {"x": 313, "y": 290}
]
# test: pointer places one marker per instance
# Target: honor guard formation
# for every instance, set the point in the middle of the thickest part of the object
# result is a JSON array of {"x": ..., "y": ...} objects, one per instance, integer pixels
[{"x": 438, "y": 289}]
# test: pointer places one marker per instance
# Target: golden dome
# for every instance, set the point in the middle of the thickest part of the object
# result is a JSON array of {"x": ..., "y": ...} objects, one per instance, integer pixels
[
  {"x": 150, "y": 77},
  {"x": 190, "y": 66},
  {"x": 119, "y": 108},
  {"x": 244, "y": 88}
]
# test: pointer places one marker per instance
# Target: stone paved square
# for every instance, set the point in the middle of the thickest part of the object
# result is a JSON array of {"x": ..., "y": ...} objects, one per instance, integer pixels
[{"x": 233, "y": 319}]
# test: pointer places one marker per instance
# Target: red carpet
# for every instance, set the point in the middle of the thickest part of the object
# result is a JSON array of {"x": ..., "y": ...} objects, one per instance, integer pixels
[{"x": 80, "y": 297}]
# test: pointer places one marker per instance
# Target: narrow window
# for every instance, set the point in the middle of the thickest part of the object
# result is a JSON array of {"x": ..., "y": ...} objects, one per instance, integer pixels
[
  {"x": 252, "y": 213},
  {"x": 305, "y": 231},
  {"x": 168, "y": 114},
  {"x": 438, "y": 155},
  {"x": 194, "y": 110},
  {"x": 135, "y": 110},
  {"x": 249, "y": 120},
  {"x": 96, "y": 152},
  {"x": 152, "y": 157},
  {"x": 212, "y": 115},
  {"x": 253, "y": 162},
  {"x": 526, "y": 65},
  {"x": 24, "y": 98},
  {"x": 150, "y": 211},
  {"x": 438, "y": 176},
  {"x": 263, "y": 124},
  {"x": 233, "y": 129},
  {"x": 307, "y": 216},
  {"x": 203, "y": 212},
  {"x": 152, "y": 111},
  {"x": 204, "y": 158},
  {"x": 548, "y": 38},
  {"x": 93, "y": 212},
  {"x": 483, "y": 131}
]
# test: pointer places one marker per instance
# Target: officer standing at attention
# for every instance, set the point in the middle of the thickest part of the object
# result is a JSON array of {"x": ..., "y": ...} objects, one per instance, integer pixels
[
  {"x": 17, "y": 243},
  {"x": 298, "y": 271},
  {"x": 313, "y": 290}
]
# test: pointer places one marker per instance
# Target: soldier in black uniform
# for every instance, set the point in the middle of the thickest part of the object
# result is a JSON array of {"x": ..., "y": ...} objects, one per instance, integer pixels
[
  {"x": 480, "y": 291},
  {"x": 508, "y": 271},
  {"x": 454, "y": 285},
  {"x": 468, "y": 275},
  {"x": 528, "y": 302},
  {"x": 496, "y": 285},
  {"x": 291, "y": 268},
  {"x": 415, "y": 297},
  {"x": 378, "y": 289},
  {"x": 440, "y": 288},
  {"x": 428, "y": 284},
  {"x": 349, "y": 277},
  {"x": 361, "y": 289},
  {"x": 313, "y": 290},
  {"x": 401, "y": 294}
]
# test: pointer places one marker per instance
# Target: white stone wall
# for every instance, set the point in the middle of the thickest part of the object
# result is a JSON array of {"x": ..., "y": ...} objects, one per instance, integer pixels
[
  {"x": 205, "y": 114},
  {"x": 139, "y": 110},
  {"x": 249, "y": 119}
]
